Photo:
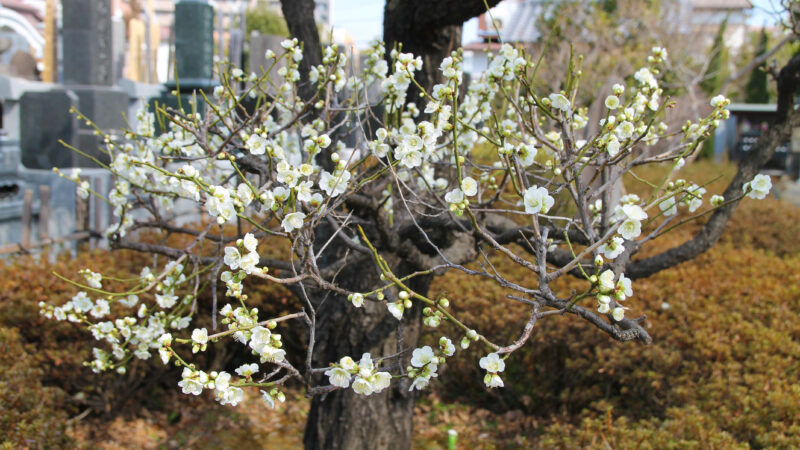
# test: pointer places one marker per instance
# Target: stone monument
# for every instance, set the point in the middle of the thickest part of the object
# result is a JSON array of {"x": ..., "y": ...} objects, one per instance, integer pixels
[
  {"x": 194, "y": 54},
  {"x": 45, "y": 117},
  {"x": 89, "y": 72},
  {"x": 194, "y": 45}
]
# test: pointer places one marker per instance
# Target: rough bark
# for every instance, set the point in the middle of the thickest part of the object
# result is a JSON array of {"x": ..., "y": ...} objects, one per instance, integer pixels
[
  {"x": 343, "y": 419},
  {"x": 299, "y": 15},
  {"x": 429, "y": 29}
]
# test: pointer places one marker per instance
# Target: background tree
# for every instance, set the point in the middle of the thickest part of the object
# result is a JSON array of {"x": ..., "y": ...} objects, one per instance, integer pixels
[
  {"x": 265, "y": 21},
  {"x": 757, "y": 88},
  {"x": 716, "y": 69}
]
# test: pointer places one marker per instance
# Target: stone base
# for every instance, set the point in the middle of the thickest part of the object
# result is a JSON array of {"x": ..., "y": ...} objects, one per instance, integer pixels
[{"x": 170, "y": 101}]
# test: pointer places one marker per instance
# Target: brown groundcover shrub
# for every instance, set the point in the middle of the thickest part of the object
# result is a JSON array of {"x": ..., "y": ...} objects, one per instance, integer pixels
[
  {"x": 50, "y": 353},
  {"x": 722, "y": 373},
  {"x": 724, "y": 369},
  {"x": 30, "y": 414}
]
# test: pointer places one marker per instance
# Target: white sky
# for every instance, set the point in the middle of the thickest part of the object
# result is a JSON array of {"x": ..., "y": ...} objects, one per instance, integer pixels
[{"x": 363, "y": 19}]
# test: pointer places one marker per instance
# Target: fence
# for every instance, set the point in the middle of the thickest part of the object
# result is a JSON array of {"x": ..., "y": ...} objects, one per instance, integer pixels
[{"x": 25, "y": 245}]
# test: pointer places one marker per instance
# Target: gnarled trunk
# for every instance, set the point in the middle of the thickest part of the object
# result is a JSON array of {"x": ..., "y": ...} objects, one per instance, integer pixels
[{"x": 342, "y": 419}]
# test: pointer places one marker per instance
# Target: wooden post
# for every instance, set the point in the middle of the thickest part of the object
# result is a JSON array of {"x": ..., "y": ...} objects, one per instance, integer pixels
[
  {"x": 81, "y": 215},
  {"x": 44, "y": 213},
  {"x": 97, "y": 205},
  {"x": 27, "y": 213}
]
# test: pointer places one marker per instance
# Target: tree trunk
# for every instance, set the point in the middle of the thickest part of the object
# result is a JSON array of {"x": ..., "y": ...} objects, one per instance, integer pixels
[
  {"x": 343, "y": 419},
  {"x": 428, "y": 29}
]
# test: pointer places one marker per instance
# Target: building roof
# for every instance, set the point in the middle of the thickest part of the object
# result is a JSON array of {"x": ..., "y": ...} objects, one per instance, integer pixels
[
  {"x": 522, "y": 27},
  {"x": 753, "y": 107},
  {"x": 722, "y": 4}
]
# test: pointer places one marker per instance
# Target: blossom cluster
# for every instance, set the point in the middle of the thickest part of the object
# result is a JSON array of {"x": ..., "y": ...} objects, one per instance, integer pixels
[{"x": 445, "y": 153}]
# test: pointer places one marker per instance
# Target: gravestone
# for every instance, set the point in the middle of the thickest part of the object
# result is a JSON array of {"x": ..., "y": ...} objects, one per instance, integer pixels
[
  {"x": 45, "y": 119},
  {"x": 86, "y": 37},
  {"x": 194, "y": 45},
  {"x": 194, "y": 56},
  {"x": 89, "y": 72}
]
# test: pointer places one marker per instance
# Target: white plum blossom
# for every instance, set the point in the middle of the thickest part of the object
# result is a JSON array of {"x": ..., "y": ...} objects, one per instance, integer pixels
[
  {"x": 668, "y": 206},
  {"x": 559, "y": 102},
  {"x": 396, "y": 309},
  {"x": 94, "y": 279},
  {"x": 244, "y": 261},
  {"x": 492, "y": 364},
  {"x": 446, "y": 345},
  {"x": 719, "y": 101},
  {"x": 758, "y": 188},
  {"x": 192, "y": 381},
  {"x": 455, "y": 196},
  {"x": 613, "y": 248},
  {"x": 695, "y": 197},
  {"x": 646, "y": 78},
  {"x": 469, "y": 186},
  {"x": 166, "y": 300},
  {"x": 422, "y": 356},
  {"x": 82, "y": 302},
  {"x": 623, "y": 288},
  {"x": 357, "y": 299},
  {"x": 338, "y": 376},
  {"x": 247, "y": 370},
  {"x": 256, "y": 144},
  {"x": 630, "y": 229},
  {"x": 613, "y": 146},
  {"x": 606, "y": 281},
  {"x": 537, "y": 200},
  {"x": 612, "y": 102},
  {"x": 293, "y": 221},
  {"x": 334, "y": 184},
  {"x": 100, "y": 309}
]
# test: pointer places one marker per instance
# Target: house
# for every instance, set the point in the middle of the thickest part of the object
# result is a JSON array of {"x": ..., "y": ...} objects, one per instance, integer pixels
[{"x": 517, "y": 22}]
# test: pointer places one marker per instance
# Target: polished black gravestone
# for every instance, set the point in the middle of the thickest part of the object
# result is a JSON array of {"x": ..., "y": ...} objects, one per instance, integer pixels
[
  {"x": 45, "y": 119},
  {"x": 194, "y": 46},
  {"x": 194, "y": 58}
]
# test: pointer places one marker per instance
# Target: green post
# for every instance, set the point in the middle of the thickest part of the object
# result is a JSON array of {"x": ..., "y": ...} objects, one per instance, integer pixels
[
  {"x": 452, "y": 437},
  {"x": 194, "y": 45}
]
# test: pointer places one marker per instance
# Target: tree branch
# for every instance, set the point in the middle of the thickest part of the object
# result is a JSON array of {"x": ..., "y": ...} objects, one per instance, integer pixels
[{"x": 778, "y": 133}]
